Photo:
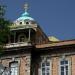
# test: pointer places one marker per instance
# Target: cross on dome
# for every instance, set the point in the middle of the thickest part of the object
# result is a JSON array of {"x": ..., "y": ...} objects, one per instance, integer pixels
[
  {"x": 26, "y": 7},
  {"x": 25, "y": 16}
]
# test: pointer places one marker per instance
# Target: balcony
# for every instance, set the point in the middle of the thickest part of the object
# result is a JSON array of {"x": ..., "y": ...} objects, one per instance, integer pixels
[
  {"x": 16, "y": 27},
  {"x": 20, "y": 44}
]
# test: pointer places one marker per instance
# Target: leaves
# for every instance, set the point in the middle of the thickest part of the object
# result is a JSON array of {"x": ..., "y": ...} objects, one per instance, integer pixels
[
  {"x": 2, "y": 10},
  {"x": 4, "y": 28}
]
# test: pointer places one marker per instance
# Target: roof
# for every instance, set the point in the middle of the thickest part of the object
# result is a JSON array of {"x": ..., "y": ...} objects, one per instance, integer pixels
[
  {"x": 53, "y": 39},
  {"x": 57, "y": 44},
  {"x": 25, "y": 16}
]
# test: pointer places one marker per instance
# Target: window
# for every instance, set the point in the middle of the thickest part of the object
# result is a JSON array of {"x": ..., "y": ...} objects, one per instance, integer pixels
[
  {"x": 45, "y": 67},
  {"x": 14, "y": 68},
  {"x": 20, "y": 22},
  {"x": 22, "y": 38},
  {"x": 27, "y": 22},
  {"x": 6, "y": 71},
  {"x": 64, "y": 67}
]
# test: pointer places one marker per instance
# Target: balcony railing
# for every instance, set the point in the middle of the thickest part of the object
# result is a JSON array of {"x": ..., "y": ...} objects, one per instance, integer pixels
[
  {"x": 21, "y": 44},
  {"x": 22, "y": 26}
]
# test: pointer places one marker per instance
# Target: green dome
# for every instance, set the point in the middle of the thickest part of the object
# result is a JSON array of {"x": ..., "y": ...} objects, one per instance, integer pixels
[{"x": 25, "y": 16}]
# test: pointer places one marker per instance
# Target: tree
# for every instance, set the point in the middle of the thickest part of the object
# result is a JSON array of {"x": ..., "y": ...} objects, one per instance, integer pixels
[{"x": 4, "y": 27}]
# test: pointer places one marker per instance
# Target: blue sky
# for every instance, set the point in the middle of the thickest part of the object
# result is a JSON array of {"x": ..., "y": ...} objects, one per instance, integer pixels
[{"x": 56, "y": 17}]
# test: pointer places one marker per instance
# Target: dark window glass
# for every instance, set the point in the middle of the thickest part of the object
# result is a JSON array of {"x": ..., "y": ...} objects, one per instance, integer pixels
[
  {"x": 43, "y": 64},
  {"x": 48, "y": 69},
  {"x": 66, "y": 72},
  {"x": 22, "y": 39},
  {"x": 66, "y": 62},
  {"x": 62, "y": 62},
  {"x": 20, "y": 22},
  {"x": 43, "y": 74},
  {"x": 62, "y": 68},
  {"x": 43, "y": 69},
  {"x": 27, "y": 22},
  {"x": 47, "y": 73},
  {"x": 47, "y": 63},
  {"x": 66, "y": 67},
  {"x": 62, "y": 73}
]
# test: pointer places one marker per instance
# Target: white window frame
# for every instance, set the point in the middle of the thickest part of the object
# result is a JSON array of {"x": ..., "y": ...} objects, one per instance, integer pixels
[
  {"x": 46, "y": 59},
  {"x": 16, "y": 66},
  {"x": 69, "y": 66}
]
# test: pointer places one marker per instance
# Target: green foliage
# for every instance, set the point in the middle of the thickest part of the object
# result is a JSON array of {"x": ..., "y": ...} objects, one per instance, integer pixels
[
  {"x": 4, "y": 32},
  {"x": 2, "y": 11},
  {"x": 4, "y": 28}
]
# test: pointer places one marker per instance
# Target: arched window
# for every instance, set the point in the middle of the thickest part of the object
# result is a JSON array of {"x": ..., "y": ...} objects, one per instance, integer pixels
[
  {"x": 20, "y": 22},
  {"x": 27, "y": 22},
  {"x": 22, "y": 38}
]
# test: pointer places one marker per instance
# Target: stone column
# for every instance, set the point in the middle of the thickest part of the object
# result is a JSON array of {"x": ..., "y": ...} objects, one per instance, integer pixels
[
  {"x": 29, "y": 35},
  {"x": 14, "y": 37}
]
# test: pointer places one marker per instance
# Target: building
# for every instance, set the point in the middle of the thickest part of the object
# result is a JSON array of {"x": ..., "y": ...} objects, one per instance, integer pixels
[{"x": 30, "y": 52}]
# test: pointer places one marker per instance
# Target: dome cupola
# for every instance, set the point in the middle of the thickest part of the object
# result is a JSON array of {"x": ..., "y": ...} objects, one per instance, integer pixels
[
  {"x": 24, "y": 21},
  {"x": 25, "y": 18}
]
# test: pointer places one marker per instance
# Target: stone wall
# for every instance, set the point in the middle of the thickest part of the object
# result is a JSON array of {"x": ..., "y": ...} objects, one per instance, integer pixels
[{"x": 24, "y": 62}]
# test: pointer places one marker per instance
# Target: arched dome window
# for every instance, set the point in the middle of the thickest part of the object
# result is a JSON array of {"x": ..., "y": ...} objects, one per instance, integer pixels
[
  {"x": 27, "y": 22},
  {"x": 20, "y": 22},
  {"x": 22, "y": 38}
]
